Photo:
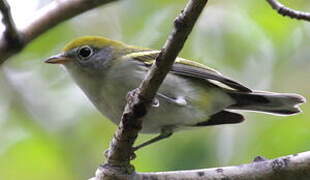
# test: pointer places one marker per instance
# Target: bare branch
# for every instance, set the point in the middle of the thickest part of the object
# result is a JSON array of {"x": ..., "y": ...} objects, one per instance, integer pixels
[
  {"x": 45, "y": 19},
  {"x": 285, "y": 11},
  {"x": 296, "y": 166},
  {"x": 11, "y": 35},
  {"x": 139, "y": 100},
  {"x": 290, "y": 167},
  {"x": 183, "y": 26}
]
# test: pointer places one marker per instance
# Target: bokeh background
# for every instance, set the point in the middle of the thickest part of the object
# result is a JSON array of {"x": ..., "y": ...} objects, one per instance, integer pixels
[{"x": 50, "y": 130}]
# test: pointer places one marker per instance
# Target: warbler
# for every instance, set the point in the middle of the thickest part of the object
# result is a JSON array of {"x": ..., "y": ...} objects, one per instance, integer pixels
[{"x": 192, "y": 95}]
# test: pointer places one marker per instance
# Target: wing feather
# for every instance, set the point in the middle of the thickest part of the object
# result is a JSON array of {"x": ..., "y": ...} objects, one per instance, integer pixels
[
  {"x": 211, "y": 76},
  {"x": 193, "y": 69}
]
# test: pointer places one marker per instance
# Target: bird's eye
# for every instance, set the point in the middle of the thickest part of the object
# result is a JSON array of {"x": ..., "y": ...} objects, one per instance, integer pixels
[{"x": 85, "y": 52}]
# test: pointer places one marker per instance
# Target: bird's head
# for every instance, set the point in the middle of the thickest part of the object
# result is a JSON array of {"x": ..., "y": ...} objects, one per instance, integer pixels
[{"x": 88, "y": 53}]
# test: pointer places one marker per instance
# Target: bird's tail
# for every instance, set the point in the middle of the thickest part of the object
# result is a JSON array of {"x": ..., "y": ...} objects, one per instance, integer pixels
[{"x": 267, "y": 102}]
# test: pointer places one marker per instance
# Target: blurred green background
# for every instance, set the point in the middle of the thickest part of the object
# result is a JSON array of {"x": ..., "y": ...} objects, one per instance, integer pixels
[{"x": 50, "y": 130}]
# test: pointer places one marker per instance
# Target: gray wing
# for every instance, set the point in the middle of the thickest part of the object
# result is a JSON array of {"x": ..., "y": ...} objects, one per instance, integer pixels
[
  {"x": 193, "y": 69},
  {"x": 207, "y": 74}
]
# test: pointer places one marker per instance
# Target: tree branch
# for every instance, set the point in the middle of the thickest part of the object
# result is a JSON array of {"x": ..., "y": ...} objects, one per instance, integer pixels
[
  {"x": 11, "y": 35},
  {"x": 54, "y": 13},
  {"x": 296, "y": 166},
  {"x": 290, "y": 167},
  {"x": 117, "y": 165},
  {"x": 285, "y": 11}
]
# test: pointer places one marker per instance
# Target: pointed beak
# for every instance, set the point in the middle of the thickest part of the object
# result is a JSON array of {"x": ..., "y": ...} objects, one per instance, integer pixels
[{"x": 58, "y": 59}]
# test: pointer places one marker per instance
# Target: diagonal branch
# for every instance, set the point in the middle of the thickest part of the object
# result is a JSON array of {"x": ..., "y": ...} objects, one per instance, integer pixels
[
  {"x": 45, "y": 19},
  {"x": 11, "y": 35},
  {"x": 140, "y": 99},
  {"x": 285, "y": 11}
]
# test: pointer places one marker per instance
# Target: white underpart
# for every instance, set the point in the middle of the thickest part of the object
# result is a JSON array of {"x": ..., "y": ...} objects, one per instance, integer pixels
[{"x": 179, "y": 98}]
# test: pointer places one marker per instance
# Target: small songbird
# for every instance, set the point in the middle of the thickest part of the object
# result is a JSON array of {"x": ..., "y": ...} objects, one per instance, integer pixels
[{"x": 192, "y": 95}]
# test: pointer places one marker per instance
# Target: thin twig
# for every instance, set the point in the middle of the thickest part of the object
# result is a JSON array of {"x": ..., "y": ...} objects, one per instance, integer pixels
[
  {"x": 139, "y": 100},
  {"x": 11, "y": 35},
  {"x": 285, "y": 11},
  {"x": 45, "y": 19}
]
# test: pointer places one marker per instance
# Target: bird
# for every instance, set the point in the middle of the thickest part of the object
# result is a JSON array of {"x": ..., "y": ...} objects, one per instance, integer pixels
[{"x": 192, "y": 95}]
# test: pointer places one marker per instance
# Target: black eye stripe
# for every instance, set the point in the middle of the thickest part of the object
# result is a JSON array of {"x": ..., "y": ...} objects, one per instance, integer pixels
[{"x": 85, "y": 52}]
